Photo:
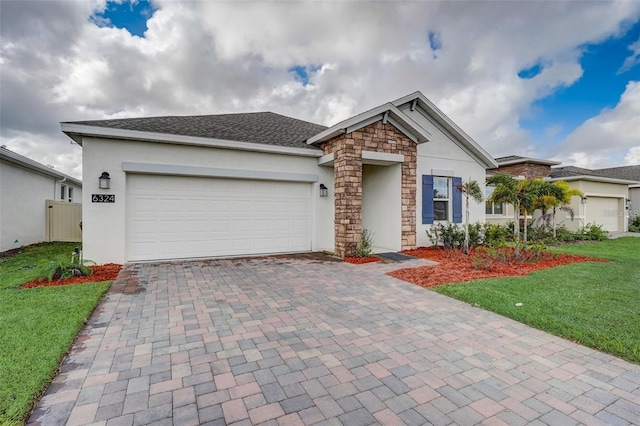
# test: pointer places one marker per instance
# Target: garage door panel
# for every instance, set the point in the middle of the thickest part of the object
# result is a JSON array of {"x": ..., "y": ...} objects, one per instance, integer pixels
[
  {"x": 176, "y": 217},
  {"x": 604, "y": 211}
]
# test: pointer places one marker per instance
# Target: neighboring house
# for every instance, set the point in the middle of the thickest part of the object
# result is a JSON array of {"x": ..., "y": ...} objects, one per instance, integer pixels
[
  {"x": 606, "y": 192},
  {"x": 256, "y": 183},
  {"x": 25, "y": 187},
  {"x": 606, "y": 195},
  {"x": 631, "y": 173}
]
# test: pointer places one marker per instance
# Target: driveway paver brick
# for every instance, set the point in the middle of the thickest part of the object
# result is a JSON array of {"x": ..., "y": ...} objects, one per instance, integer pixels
[{"x": 302, "y": 339}]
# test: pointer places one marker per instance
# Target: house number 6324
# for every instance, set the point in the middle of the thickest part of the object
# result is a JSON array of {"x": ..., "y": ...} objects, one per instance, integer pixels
[{"x": 103, "y": 198}]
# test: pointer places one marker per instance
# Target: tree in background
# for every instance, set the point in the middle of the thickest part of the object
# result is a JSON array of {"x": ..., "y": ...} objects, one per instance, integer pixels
[
  {"x": 470, "y": 189},
  {"x": 557, "y": 197}
]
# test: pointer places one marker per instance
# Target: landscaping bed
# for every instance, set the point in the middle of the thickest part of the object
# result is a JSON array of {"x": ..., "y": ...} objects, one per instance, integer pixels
[
  {"x": 107, "y": 272},
  {"x": 454, "y": 266}
]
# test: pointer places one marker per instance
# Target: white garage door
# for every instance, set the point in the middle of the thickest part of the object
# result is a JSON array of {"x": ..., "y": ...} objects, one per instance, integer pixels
[
  {"x": 604, "y": 211},
  {"x": 172, "y": 217}
]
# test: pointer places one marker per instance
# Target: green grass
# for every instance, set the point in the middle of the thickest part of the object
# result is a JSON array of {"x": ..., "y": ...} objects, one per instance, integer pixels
[
  {"x": 37, "y": 327},
  {"x": 595, "y": 304}
]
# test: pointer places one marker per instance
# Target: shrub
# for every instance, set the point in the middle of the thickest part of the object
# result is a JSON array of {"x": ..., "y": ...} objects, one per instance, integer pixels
[
  {"x": 450, "y": 235},
  {"x": 62, "y": 269},
  {"x": 476, "y": 234},
  {"x": 592, "y": 232},
  {"x": 634, "y": 225},
  {"x": 365, "y": 248},
  {"x": 495, "y": 235}
]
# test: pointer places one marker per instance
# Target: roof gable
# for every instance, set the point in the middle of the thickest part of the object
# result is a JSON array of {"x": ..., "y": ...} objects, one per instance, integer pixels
[
  {"x": 387, "y": 113},
  {"x": 418, "y": 101}
]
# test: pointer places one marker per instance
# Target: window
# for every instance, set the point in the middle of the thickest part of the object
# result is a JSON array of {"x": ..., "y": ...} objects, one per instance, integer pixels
[
  {"x": 441, "y": 200},
  {"x": 70, "y": 194},
  {"x": 63, "y": 192},
  {"x": 491, "y": 208}
]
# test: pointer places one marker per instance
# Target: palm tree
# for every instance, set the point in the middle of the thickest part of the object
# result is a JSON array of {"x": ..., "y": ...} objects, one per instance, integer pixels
[
  {"x": 522, "y": 194},
  {"x": 530, "y": 192},
  {"x": 506, "y": 191},
  {"x": 558, "y": 197},
  {"x": 469, "y": 189}
]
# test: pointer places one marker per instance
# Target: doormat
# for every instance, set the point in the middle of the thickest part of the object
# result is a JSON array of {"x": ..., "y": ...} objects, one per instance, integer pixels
[{"x": 395, "y": 256}]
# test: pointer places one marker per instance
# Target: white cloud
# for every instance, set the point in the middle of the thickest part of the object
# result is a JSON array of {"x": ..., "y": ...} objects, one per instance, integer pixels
[
  {"x": 632, "y": 158},
  {"x": 603, "y": 140},
  {"x": 221, "y": 57},
  {"x": 632, "y": 60}
]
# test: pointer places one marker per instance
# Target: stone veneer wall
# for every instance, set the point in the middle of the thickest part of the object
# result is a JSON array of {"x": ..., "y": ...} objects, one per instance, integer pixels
[
  {"x": 347, "y": 149},
  {"x": 528, "y": 170}
]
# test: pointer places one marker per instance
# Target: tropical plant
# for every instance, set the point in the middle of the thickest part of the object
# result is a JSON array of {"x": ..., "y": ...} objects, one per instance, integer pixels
[
  {"x": 469, "y": 189},
  {"x": 557, "y": 197},
  {"x": 507, "y": 189}
]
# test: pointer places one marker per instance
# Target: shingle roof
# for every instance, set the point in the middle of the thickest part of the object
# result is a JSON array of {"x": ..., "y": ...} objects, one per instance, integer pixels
[
  {"x": 258, "y": 127},
  {"x": 517, "y": 159},
  {"x": 624, "y": 172}
]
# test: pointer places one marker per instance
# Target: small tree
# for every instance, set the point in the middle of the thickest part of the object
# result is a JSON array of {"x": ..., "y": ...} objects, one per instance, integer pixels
[
  {"x": 557, "y": 197},
  {"x": 469, "y": 189},
  {"x": 530, "y": 191},
  {"x": 506, "y": 191}
]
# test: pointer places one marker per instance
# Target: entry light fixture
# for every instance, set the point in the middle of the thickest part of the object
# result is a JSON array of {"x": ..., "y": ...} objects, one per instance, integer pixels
[
  {"x": 104, "y": 181},
  {"x": 324, "y": 191},
  {"x": 584, "y": 200},
  {"x": 628, "y": 204}
]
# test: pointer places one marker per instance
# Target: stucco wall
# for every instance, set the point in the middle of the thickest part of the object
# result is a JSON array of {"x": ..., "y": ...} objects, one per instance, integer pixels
[
  {"x": 104, "y": 224},
  {"x": 22, "y": 205},
  {"x": 634, "y": 196},
  {"x": 442, "y": 154},
  {"x": 381, "y": 205}
]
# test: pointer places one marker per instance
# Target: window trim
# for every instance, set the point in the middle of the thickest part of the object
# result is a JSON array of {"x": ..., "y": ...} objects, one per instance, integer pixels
[
  {"x": 454, "y": 208},
  {"x": 446, "y": 199},
  {"x": 493, "y": 205}
]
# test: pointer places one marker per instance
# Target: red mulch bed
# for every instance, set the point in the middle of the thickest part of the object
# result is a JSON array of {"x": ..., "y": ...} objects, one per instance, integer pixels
[
  {"x": 360, "y": 260},
  {"x": 107, "y": 272},
  {"x": 453, "y": 266}
]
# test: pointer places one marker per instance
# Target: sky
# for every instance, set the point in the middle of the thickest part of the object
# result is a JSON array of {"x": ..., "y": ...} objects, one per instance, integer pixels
[{"x": 545, "y": 79}]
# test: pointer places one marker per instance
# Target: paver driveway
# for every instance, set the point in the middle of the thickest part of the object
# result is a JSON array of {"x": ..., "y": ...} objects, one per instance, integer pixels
[{"x": 301, "y": 341}]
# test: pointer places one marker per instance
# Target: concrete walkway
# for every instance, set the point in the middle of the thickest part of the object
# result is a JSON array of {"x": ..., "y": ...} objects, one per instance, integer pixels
[{"x": 301, "y": 340}]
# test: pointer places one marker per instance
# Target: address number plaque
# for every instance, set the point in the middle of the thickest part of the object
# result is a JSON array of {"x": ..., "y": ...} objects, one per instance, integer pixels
[{"x": 103, "y": 198}]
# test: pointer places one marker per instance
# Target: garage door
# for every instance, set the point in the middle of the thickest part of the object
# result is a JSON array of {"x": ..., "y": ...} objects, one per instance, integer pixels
[
  {"x": 604, "y": 211},
  {"x": 171, "y": 217}
]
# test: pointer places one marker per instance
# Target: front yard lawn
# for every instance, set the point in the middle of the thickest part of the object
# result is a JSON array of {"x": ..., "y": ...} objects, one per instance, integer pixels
[
  {"x": 594, "y": 304},
  {"x": 37, "y": 327}
]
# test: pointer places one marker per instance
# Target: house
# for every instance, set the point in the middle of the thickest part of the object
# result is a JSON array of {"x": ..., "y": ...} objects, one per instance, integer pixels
[
  {"x": 257, "y": 183},
  {"x": 26, "y": 187},
  {"x": 607, "y": 200},
  {"x": 606, "y": 192}
]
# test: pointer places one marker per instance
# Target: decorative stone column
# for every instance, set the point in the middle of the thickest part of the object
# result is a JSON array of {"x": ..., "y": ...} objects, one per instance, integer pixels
[{"x": 347, "y": 150}]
